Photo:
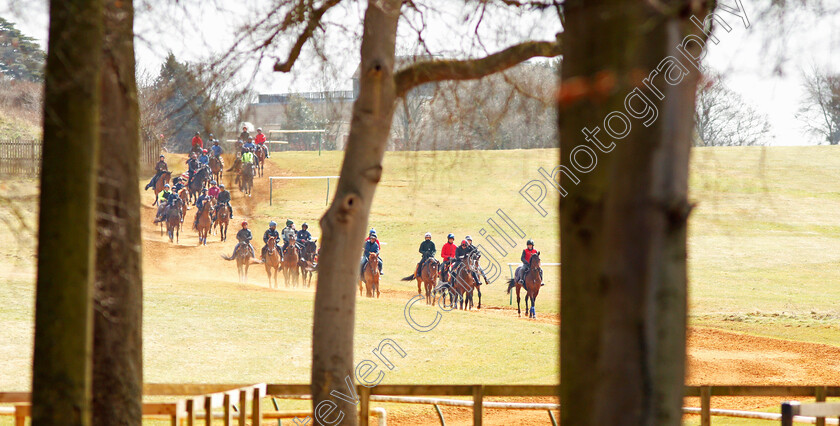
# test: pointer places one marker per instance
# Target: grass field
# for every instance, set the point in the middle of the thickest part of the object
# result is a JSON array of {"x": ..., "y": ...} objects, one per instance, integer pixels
[{"x": 763, "y": 253}]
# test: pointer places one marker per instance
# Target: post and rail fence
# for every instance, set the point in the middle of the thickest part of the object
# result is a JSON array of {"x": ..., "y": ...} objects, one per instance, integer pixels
[
  {"x": 235, "y": 404},
  {"x": 21, "y": 158}
]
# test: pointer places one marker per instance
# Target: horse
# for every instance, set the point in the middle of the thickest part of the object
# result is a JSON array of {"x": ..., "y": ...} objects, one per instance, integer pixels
[
  {"x": 272, "y": 261},
  {"x": 308, "y": 262},
  {"x": 222, "y": 220},
  {"x": 183, "y": 195},
  {"x": 173, "y": 220},
  {"x": 290, "y": 263},
  {"x": 243, "y": 260},
  {"x": 199, "y": 181},
  {"x": 259, "y": 160},
  {"x": 369, "y": 279},
  {"x": 533, "y": 282},
  {"x": 216, "y": 168},
  {"x": 246, "y": 179},
  {"x": 163, "y": 179},
  {"x": 428, "y": 276},
  {"x": 464, "y": 281},
  {"x": 204, "y": 223}
]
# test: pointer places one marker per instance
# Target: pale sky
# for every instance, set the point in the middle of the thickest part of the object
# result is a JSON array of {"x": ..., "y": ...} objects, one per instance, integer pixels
[{"x": 762, "y": 63}]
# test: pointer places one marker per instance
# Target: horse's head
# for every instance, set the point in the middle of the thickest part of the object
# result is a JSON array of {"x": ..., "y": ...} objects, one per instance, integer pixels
[
  {"x": 373, "y": 257},
  {"x": 534, "y": 262},
  {"x": 272, "y": 243}
]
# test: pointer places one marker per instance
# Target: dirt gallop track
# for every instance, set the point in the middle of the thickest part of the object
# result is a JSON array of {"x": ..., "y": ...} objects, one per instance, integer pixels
[{"x": 714, "y": 356}]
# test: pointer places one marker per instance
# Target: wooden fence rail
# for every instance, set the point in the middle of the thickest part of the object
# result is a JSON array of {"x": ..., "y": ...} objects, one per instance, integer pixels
[
  {"x": 20, "y": 158},
  {"x": 202, "y": 399}
]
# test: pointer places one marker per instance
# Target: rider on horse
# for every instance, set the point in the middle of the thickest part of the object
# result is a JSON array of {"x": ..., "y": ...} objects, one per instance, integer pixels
[
  {"x": 203, "y": 198},
  {"x": 259, "y": 139},
  {"x": 204, "y": 159},
  {"x": 197, "y": 143},
  {"x": 177, "y": 184},
  {"x": 165, "y": 199},
  {"x": 192, "y": 167},
  {"x": 214, "y": 190},
  {"x": 244, "y": 237},
  {"x": 271, "y": 232},
  {"x": 303, "y": 236},
  {"x": 447, "y": 253},
  {"x": 428, "y": 250},
  {"x": 470, "y": 250},
  {"x": 371, "y": 246},
  {"x": 247, "y": 156},
  {"x": 224, "y": 200},
  {"x": 160, "y": 167},
  {"x": 526, "y": 262},
  {"x": 216, "y": 149},
  {"x": 289, "y": 233},
  {"x": 244, "y": 135},
  {"x": 249, "y": 145}
]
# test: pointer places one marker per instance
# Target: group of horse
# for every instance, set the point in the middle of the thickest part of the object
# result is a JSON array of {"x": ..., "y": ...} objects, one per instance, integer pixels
[
  {"x": 462, "y": 281},
  {"x": 297, "y": 261},
  {"x": 173, "y": 218}
]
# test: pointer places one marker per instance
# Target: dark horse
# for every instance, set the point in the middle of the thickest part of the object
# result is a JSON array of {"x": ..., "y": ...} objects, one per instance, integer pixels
[
  {"x": 199, "y": 181},
  {"x": 242, "y": 254},
  {"x": 308, "y": 262},
  {"x": 173, "y": 220},
  {"x": 246, "y": 179},
  {"x": 465, "y": 280},
  {"x": 533, "y": 282}
]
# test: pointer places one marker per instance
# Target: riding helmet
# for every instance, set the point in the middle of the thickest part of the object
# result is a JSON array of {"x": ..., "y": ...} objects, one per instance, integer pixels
[
  {"x": 463, "y": 242},
  {"x": 204, "y": 151},
  {"x": 244, "y": 224},
  {"x": 166, "y": 186},
  {"x": 428, "y": 234},
  {"x": 468, "y": 238},
  {"x": 372, "y": 232},
  {"x": 212, "y": 182},
  {"x": 450, "y": 236},
  {"x": 197, "y": 133},
  {"x": 222, "y": 186},
  {"x": 305, "y": 225},
  {"x": 289, "y": 222},
  {"x": 203, "y": 190},
  {"x": 529, "y": 243},
  {"x": 272, "y": 224}
]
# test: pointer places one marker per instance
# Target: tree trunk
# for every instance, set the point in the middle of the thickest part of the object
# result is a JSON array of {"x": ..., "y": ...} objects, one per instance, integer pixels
[
  {"x": 117, "y": 340},
  {"x": 623, "y": 226},
  {"x": 345, "y": 222},
  {"x": 61, "y": 373}
]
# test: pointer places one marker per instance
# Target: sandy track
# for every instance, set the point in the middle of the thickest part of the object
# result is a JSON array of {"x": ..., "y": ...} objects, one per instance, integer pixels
[{"x": 714, "y": 356}]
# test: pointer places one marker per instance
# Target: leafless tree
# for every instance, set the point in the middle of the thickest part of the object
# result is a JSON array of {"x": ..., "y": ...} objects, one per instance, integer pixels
[
  {"x": 723, "y": 118},
  {"x": 820, "y": 109}
]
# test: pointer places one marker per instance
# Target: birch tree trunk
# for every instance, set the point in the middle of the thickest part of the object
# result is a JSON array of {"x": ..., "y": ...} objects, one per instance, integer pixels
[
  {"x": 61, "y": 373},
  {"x": 623, "y": 226},
  {"x": 345, "y": 222},
  {"x": 117, "y": 341}
]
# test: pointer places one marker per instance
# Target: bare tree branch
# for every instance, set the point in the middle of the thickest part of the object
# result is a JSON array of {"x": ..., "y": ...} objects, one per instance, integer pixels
[
  {"x": 312, "y": 24},
  {"x": 438, "y": 70}
]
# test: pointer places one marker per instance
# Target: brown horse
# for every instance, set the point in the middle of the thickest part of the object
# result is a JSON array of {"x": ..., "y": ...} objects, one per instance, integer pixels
[
  {"x": 259, "y": 160},
  {"x": 369, "y": 280},
  {"x": 533, "y": 282},
  {"x": 204, "y": 223},
  {"x": 290, "y": 264},
  {"x": 243, "y": 260},
  {"x": 184, "y": 196},
  {"x": 428, "y": 276},
  {"x": 216, "y": 168},
  {"x": 222, "y": 220},
  {"x": 464, "y": 281},
  {"x": 308, "y": 262},
  {"x": 272, "y": 261},
  {"x": 173, "y": 222},
  {"x": 162, "y": 180}
]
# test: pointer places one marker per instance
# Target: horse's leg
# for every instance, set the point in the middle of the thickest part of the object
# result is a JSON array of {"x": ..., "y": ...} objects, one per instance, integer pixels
[
  {"x": 518, "y": 309},
  {"x": 533, "y": 306},
  {"x": 377, "y": 289},
  {"x": 478, "y": 289},
  {"x": 527, "y": 299}
]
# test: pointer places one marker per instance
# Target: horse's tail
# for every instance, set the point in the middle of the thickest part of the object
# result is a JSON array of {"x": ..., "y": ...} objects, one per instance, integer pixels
[
  {"x": 511, "y": 285},
  {"x": 226, "y": 258},
  {"x": 408, "y": 278}
]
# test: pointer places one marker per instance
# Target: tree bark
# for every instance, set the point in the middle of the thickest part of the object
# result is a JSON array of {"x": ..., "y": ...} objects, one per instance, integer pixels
[
  {"x": 623, "y": 226},
  {"x": 117, "y": 341},
  {"x": 345, "y": 222},
  {"x": 61, "y": 373}
]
